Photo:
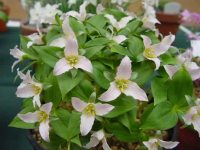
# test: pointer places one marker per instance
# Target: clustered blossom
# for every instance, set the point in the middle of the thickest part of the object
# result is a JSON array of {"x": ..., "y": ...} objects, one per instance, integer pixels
[{"x": 40, "y": 14}]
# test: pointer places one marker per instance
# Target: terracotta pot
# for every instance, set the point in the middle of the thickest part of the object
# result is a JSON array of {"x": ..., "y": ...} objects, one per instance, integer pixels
[
  {"x": 26, "y": 29},
  {"x": 188, "y": 138},
  {"x": 169, "y": 23},
  {"x": 3, "y": 27}
]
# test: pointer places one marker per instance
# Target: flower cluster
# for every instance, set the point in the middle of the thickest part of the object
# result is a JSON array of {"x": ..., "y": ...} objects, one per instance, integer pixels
[{"x": 102, "y": 77}]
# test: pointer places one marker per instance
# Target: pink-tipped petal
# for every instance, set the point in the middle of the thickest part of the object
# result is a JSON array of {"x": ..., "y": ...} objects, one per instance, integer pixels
[
  {"x": 168, "y": 40},
  {"x": 171, "y": 70},
  {"x": 146, "y": 41},
  {"x": 124, "y": 21},
  {"x": 105, "y": 145},
  {"x": 194, "y": 70},
  {"x": 87, "y": 122},
  {"x": 71, "y": 47},
  {"x": 151, "y": 144},
  {"x": 84, "y": 63},
  {"x": 111, "y": 94},
  {"x": 44, "y": 130},
  {"x": 124, "y": 70},
  {"x": 66, "y": 27},
  {"x": 83, "y": 12},
  {"x": 31, "y": 117},
  {"x": 25, "y": 91},
  {"x": 167, "y": 145},
  {"x": 47, "y": 107},
  {"x": 61, "y": 67},
  {"x": 136, "y": 92},
  {"x": 36, "y": 100},
  {"x": 59, "y": 42},
  {"x": 103, "y": 109},
  {"x": 119, "y": 38},
  {"x": 78, "y": 104},
  {"x": 93, "y": 143},
  {"x": 156, "y": 61}
]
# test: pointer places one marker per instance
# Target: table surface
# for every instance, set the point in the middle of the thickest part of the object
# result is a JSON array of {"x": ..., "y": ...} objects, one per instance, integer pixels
[{"x": 12, "y": 138}]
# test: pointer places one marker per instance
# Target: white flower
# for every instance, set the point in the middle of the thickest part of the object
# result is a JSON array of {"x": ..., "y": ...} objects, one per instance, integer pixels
[
  {"x": 123, "y": 84},
  {"x": 18, "y": 54},
  {"x": 68, "y": 33},
  {"x": 42, "y": 117},
  {"x": 99, "y": 9},
  {"x": 89, "y": 111},
  {"x": 96, "y": 138},
  {"x": 119, "y": 24},
  {"x": 72, "y": 59},
  {"x": 71, "y": 2},
  {"x": 154, "y": 143},
  {"x": 184, "y": 59},
  {"x": 193, "y": 117},
  {"x": 152, "y": 52},
  {"x": 29, "y": 88},
  {"x": 195, "y": 44},
  {"x": 36, "y": 14},
  {"x": 35, "y": 39},
  {"x": 119, "y": 2},
  {"x": 151, "y": 2},
  {"x": 81, "y": 15}
]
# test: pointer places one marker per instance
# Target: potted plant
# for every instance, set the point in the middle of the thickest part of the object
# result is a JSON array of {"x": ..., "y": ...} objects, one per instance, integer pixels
[
  {"x": 108, "y": 86},
  {"x": 4, "y": 12}
]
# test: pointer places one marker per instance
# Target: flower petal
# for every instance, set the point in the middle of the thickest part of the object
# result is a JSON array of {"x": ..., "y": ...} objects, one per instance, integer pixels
[
  {"x": 67, "y": 28},
  {"x": 59, "y": 42},
  {"x": 156, "y": 61},
  {"x": 99, "y": 9},
  {"x": 71, "y": 47},
  {"x": 61, "y": 67},
  {"x": 151, "y": 144},
  {"x": 78, "y": 104},
  {"x": 112, "y": 20},
  {"x": 124, "y": 70},
  {"x": 14, "y": 64},
  {"x": 84, "y": 63},
  {"x": 73, "y": 14},
  {"x": 36, "y": 100},
  {"x": 196, "y": 125},
  {"x": 31, "y": 117},
  {"x": 136, "y": 92},
  {"x": 103, "y": 109},
  {"x": 93, "y": 143},
  {"x": 171, "y": 70},
  {"x": 168, "y": 40},
  {"x": 47, "y": 107},
  {"x": 147, "y": 41},
  {"x": 105, "y": 145},
  {"x": 194, "y": 70},
  {"x": 167, "y": 144},
  {"x": 44, "y": 130},
  {"x": 119, "y": 38},
  {"x": 82, "y": 11},
  {"x": 87, "y": 122},
  {"x": 124, "y": 21},
  {"x": 195, "y": 44},
  {"x": 111, "y": 94},
  {"x": 189, "y": 115},
  {"x": 25, "y": 91}
]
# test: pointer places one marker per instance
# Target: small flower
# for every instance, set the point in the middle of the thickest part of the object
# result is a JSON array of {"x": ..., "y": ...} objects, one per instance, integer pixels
[
  {"x": 89, "y": 111},
  {"x": 184, "y": 59},
  {"x": 193, "y": 117},
  {"x": 123, "y": 84},
  {"x": 36, "y": 13},
  {"x": 96, "y": 138},
  {"x": 152, "y": 52},
  {"x": 121, "y": 24},
  {"x": 72, "y": 59},
  {"x": 29, "y": 88},
  {"x": 153, "y": 144},
  {"x": 42, "y": 117},
  {"x": 18, "y": 54},
  {"x": 82, "y": 14},
  {"x": 35, "y": 39}
]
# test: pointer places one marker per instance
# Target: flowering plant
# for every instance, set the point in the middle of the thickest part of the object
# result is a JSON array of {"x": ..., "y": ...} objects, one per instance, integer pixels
[{"x": 102, "y": 78}]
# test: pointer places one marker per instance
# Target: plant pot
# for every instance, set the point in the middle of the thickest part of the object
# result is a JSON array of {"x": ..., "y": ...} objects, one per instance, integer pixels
[
  {"x": 188, "y": 138},
  {"x": 33, "y": 142},
  {"x": 3, "y": 27},
  {"x": 27, "y": 29},
  {"x": 169, "y": 23}
]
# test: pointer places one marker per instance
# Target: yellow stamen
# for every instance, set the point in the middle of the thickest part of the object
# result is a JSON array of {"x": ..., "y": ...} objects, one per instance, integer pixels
[
  {"x": 89, "y": 110},
  {"x": 36, "y": 89},
  {"x": 42, "y": 116},
  {"x": 149, "y": 53},
  {"x": 72, "y": 60},
  {"x": 122, "y": 84}
]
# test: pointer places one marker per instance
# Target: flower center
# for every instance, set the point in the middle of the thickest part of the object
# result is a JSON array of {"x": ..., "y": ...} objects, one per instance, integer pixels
[
  {"x": 149, "y": 53},
  {"x": 72, "y": 60},
  {"x": 42, "y": 116},
  {"x": 89, "y": 110},
  {"x": 36, "y": 89},
  {"x": 122, "y": 84}
]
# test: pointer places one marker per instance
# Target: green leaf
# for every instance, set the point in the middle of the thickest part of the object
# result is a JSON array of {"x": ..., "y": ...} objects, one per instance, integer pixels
[
  {"x": 159, "y": 90},
  {"x": 98, "y": 21},
  {"x": 122, "y": 105},
  {"x": 120, "y": 50},
  {"x": 97, "y": 42},
  {"x": 3, "y": 16},
  {"x": 162, "y": 117},
  {"x": 90, "y": 52},
  {"x": 66, "y": 82},
  {"x": 180, "y": 86}
]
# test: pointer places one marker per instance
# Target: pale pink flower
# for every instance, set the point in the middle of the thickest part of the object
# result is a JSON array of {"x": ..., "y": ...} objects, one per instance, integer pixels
[
  {"x": 34, "y": 38},
  {"x": 40, "y": 116},
  {"x": 152, "y": 52},
  {"x": 123, "y": 84},
  {"x": 89, "y": 111}
]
